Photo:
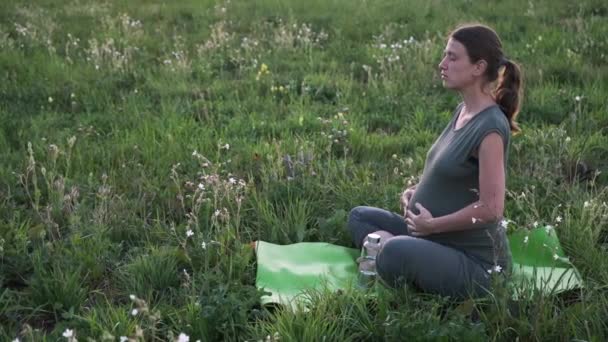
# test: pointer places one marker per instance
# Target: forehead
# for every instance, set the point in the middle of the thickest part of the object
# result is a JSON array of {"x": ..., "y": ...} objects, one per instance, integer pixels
[{"x": 455, "y": 47}]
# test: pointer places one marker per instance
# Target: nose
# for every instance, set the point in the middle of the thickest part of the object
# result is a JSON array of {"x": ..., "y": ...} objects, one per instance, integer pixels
[{"x": 441, "y": 64}]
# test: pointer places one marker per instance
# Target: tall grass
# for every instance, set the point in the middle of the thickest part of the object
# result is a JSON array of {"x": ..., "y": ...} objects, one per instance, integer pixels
[{"x": 145, "y": 144}]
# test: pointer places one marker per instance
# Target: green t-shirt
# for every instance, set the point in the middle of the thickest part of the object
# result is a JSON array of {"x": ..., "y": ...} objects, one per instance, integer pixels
[{"x": 450, "y": 182}]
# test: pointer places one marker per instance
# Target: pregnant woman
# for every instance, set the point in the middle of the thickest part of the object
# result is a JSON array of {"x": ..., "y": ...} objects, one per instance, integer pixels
[{"x": 451, "y": 235}]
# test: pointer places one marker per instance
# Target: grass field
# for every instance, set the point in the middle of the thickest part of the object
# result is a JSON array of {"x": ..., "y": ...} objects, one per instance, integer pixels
[{"x": 145, "y": 144}]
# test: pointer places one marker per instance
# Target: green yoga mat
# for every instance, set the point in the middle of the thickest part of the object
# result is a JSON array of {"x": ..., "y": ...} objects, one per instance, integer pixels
[
  {"x": 539, "y": 262},
  {"x": 289, "y": 271}
]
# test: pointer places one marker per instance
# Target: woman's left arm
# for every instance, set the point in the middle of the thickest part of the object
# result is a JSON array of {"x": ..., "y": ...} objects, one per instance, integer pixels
[{"x": 490, "y": 206}]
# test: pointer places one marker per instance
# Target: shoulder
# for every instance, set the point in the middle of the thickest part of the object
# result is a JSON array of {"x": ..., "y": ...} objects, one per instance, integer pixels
[
  {"x": 496, "y": 120},
  {"x": 495, "y": 116}
]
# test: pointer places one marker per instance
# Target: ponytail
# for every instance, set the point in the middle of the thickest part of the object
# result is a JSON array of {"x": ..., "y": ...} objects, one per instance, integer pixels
[{"x": 508, "y": 93}]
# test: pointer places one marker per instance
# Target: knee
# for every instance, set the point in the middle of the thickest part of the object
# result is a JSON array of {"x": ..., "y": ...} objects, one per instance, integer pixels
[
  {"x": 353, "y": 225},
  {"x": 355, "y": 212},
  {"x": 400, "y": 246},
  {"x": 395, "y": 261},
  {"x": 354, "y": 216},
  {"x": 391, "y": 248}
]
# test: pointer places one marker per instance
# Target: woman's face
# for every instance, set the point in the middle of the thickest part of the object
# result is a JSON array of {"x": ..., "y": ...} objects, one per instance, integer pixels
[{"x": 456, "y": 70}]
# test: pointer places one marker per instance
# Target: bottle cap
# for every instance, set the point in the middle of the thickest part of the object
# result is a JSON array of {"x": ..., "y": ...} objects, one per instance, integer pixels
[{"x": 373, "y": 238}]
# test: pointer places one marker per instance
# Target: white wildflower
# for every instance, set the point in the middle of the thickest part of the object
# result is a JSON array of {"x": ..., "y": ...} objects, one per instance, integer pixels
[
  {"x": 132, "y": 297},
  {"x": 578, "y": 98},
  {"x": 504, "y": 223},
  {"x": 568, "y": 139},
  {"x": 535, "y": 224},
  {"x": 558, "y": 219},
  {"x": 201, "y": 186},
  {"x": 555, "y": 256},
  {"x": 586, "y": 204},
  {"x": 232, "y": 180},
  {"x": 68, "y": 333},
  {"x": 134, "y": 312},
  {"x": 497, "y": 268},
  {"x": 216, "y": 213},
  {"x": 124, "y": 338},
  {"x": 183, "y": 338},
  {"x": 50, "y": 99},
  {"x": 204, "y": 245},
  {"x": 189, "y": 233},
  {"x": 526, "y": 239},
  {"x": 274, "y": 337}
]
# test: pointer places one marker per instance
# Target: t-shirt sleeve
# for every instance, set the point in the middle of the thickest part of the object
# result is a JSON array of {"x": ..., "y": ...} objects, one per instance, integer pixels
[{"x": 494, "y": 123}]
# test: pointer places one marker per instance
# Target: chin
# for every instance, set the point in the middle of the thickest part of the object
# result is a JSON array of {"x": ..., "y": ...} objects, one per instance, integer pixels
[{"x": 446, "y": 85}]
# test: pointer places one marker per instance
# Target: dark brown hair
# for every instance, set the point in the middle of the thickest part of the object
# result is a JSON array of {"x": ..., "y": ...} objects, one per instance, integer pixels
[{"x": 482, "y": 42}]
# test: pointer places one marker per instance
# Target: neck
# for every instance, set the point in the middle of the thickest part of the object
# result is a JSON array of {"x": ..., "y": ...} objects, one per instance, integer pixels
[{"x": 475, "y": 99}]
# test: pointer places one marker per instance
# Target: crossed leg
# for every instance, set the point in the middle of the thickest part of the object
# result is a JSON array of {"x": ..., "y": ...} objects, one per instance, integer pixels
[{"x": 404, "y": 259}]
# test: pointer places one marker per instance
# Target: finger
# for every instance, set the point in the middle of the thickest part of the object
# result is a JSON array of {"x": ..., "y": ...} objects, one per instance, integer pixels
[
  {"x": 411, "y": 214},
  {"x": 410, "y": 223},
  {"x": 422, "y": 210}
]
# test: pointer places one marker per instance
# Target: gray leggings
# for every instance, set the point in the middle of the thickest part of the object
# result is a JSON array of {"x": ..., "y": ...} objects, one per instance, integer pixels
[{"x": 427, "y": 265}]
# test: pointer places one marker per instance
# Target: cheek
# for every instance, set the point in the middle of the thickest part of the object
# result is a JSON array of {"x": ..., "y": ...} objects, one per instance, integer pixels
[
  {"x": 457, "y": 67},
  {"x": 460, "y": 71}
]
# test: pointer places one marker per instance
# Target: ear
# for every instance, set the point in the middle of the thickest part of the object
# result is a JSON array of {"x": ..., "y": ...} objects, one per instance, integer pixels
[{"x": 480, "y": 67}]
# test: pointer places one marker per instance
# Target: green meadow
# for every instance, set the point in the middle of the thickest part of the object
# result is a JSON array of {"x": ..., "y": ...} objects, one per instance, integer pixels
[{"x": 145, "y": 144}]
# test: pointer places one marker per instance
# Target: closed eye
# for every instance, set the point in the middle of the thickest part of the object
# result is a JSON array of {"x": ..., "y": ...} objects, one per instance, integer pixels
[{"x": 451, "y": 55}]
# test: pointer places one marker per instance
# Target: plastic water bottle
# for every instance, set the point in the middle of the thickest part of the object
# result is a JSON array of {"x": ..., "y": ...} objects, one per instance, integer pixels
[{"x": 367, "y": 266}]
